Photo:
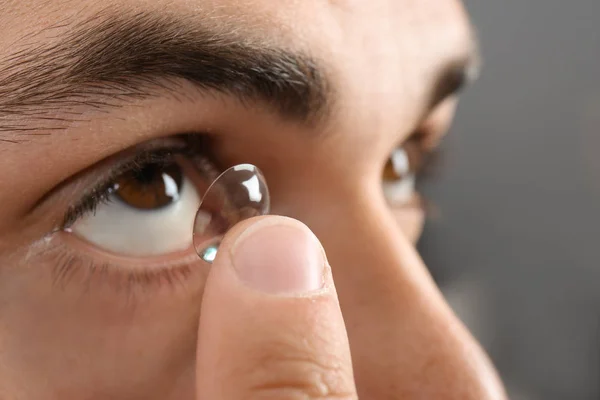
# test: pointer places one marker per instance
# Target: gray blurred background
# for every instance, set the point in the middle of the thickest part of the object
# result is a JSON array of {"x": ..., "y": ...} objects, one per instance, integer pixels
[{"x": 515, "y": 246}]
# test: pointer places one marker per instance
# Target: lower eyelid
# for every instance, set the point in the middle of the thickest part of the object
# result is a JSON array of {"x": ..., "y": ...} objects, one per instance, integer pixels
[{"x": 76, "y": 265}]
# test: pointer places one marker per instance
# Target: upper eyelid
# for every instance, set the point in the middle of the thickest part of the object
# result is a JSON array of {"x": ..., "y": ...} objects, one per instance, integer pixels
[
  {"x": 96, "y": 178},
  {"x": 99, "y": 193}
]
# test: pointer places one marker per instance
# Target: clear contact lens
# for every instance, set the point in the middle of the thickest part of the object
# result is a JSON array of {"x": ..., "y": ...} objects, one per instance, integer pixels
[{"x": 237, "y": 194}]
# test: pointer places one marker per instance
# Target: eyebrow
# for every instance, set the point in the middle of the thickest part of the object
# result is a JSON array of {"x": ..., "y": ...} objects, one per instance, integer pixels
[
  {"x": 458, "y": 72},
  {"x": 107, "y": 60},
  {"x": 455, "y": 76}
]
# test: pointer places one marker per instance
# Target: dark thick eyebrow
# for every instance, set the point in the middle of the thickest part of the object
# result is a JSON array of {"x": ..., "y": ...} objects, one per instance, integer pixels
[
  {"x": 457, "y": 73},
  {"x": 109, "y": 59}
]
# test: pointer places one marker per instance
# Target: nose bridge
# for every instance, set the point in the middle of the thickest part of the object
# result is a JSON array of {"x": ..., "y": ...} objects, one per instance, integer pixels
[
  {"x": 365, "y": 245},
  {"x": 395, "y": 316}
]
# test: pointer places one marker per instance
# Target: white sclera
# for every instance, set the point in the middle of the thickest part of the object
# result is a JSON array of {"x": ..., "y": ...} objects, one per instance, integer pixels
[{"x": 237, "y": 194}]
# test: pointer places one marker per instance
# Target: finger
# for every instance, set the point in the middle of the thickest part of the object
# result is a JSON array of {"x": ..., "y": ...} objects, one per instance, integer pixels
[{"x": 271, "y": 326}]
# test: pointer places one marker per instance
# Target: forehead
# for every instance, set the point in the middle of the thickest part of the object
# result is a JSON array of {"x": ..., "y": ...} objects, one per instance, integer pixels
[
  {"x": 250, "y": 10},
  {"x": 331, "y": 28}
]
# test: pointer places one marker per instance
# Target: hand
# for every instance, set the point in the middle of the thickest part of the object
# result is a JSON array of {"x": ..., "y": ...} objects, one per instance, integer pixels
[{"x": 271, "y": 325}]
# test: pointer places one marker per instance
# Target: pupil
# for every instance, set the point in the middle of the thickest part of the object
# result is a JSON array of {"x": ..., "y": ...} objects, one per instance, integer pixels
[
  {"x": 153, "y": 187},
  {"x": 148, "y": 174}
]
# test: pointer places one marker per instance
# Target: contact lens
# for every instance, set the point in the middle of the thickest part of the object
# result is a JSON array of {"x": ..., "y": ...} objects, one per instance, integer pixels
[{"x": 237, "y": 194}]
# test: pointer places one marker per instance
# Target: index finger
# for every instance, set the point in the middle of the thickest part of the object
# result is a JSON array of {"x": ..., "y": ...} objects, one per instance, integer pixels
[{"x": 271, "y": 325}]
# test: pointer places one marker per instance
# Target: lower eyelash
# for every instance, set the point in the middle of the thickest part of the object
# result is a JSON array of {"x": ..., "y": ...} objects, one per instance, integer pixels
[
  {"x": 72, "y": 268},
  {"x": 431, "y": 166}
]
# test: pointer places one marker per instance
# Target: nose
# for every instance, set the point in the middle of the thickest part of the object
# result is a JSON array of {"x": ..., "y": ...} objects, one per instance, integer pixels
[{"x": 406, "y": 342}]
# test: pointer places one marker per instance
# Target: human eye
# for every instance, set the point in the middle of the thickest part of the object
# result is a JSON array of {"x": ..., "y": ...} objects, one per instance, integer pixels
[
  {"x": 137, "y": 218},
  {"x": 406, "y": 167},
  {"x": 146, "y": 208},
  {"x": 400, "y": 172}
]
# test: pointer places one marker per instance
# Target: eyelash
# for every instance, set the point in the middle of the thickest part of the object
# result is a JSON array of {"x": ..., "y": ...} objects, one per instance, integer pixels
[
  {"x": 192, "y": 147},
  {"x": 68, "y": 264},
  {"x": 430, "y": 164}
]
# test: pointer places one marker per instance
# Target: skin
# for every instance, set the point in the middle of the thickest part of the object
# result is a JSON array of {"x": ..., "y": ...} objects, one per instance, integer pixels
[{"x": 69, "y": 341}]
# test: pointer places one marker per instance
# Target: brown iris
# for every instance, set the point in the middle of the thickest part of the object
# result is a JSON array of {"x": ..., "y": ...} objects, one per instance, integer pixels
[
  {"x": 389, "y": 172},
  {"x": 414, "y": 154},
  {"x": 151, "y": 187}
]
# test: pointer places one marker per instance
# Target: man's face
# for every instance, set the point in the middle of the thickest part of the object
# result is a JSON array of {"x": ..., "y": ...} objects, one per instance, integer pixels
[{"x": 336, "y": 101}]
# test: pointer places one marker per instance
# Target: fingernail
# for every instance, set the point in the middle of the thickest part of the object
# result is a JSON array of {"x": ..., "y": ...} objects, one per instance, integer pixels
[{"x": 279, "y": 257}]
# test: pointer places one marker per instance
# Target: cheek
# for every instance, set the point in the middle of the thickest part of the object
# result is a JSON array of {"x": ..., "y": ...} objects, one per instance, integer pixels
[{"x": 113, "y": 342}]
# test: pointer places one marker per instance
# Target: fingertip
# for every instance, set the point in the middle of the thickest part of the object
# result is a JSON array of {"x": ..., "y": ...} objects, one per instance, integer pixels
[{"x": 275, "y": 255}]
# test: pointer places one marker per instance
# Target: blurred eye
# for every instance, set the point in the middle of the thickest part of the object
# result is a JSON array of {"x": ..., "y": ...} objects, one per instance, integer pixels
[
  {"x": 148, "y": 210},
  {"x": 399, "y": 173}
]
